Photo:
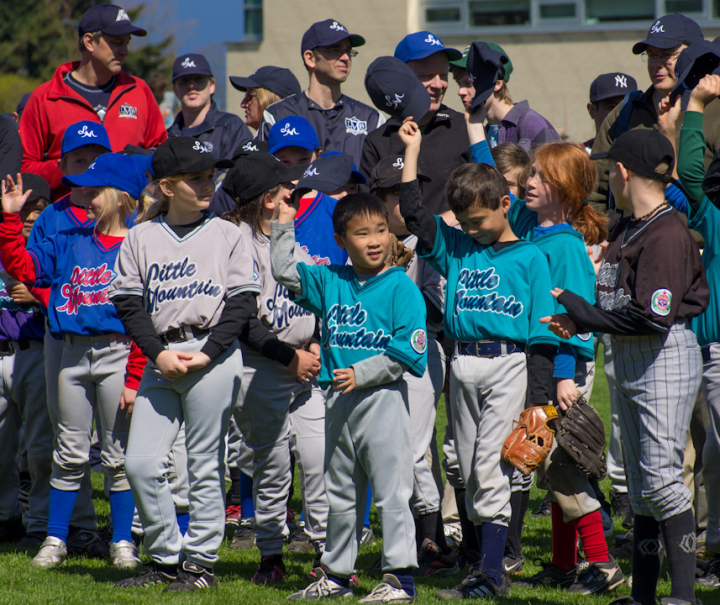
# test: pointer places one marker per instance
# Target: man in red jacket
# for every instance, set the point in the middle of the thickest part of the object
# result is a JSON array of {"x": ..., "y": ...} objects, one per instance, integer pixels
[{"x": 94, "y": 88}]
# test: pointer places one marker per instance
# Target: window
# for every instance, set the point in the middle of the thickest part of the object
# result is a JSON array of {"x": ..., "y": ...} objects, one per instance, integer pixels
[
  {"x": 485, "y": 13},
  {"x": 619, "y": 10},
  {"x": 443, "y": 15},
  {"x": 683, "y": 6},
  {"x": 564, "y": 10},
  {"x": 253, "y": 19}
]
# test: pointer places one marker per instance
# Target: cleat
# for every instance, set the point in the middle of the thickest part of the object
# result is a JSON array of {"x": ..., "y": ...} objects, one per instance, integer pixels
[
  {"x": 192, "y": 576},
  {"x": 710, "y": 577},
  {"x": 453, "y": 533},
  {"x": 544, "y": 510},
  {"x": 270, "y": 571},
  {"x": 389, "y": 591},
  {"x": 244, "y": 536},
  {"x": 322, "y": 588},
  {"x": 368, "y": 537},
  {"x": 623, "y": 547},
  {"x": 300, "y": 542},
  {"x": 551, "y": 576},
  {"x": 88, "y": 542},
  {"x": 513, "y": 565},
  {"x": 53, "y": 553},
  {"x": 148, "y": 576},
  {"x": 233, "y": 513},
  {"x": 12, "y": 530},
  {"x": 123, "y": 555},
  {"x": 594, "y": 577},
  {"x": 477, "y": 585},
  {"x": 433, "y": 562}
]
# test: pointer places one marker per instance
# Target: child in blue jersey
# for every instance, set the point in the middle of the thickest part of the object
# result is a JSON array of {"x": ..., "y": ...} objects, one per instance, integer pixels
[
  {"x": 77, "y": 266},
  {"x": 374, "y": 321},
  {"x": 496, "y": 293}
]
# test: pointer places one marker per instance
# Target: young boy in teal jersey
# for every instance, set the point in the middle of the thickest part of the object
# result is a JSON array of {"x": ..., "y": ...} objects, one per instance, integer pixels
[
  {"x": 374, "y": 329},
  {"x": 496, "y": 294}
]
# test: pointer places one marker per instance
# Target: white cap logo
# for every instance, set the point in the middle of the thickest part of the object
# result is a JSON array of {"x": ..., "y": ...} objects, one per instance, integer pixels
[
  {"x": 394, "y": 103},
  {"x": 92, "y": 166},
  {"x": 621, "y": 81},
  {"x": 657, "y": 28},
  {"x": 337, "y": 27},
  {"x": 250, "y": 146},
  {"x": 287, "y": 131},
  {"x": 311, "y": 171},
  {"x": 188, "y": 63},
  {"x": 399, "y": 164},
  {"x": 122, "y": 16},
  {"x": 201, "y": 147},
  {"x": 85, "y": 133},
  {"x": 433, "y": 40}
]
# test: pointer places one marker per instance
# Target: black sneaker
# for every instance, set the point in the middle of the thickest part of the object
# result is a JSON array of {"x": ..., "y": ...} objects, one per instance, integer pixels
[
  {"x": 467, "y": 557},
  {"x": 620, "y": 504},
  {"x": 90, "y": 542},
  {"x": 551, "y": 576},
  {"x": 623, "y": 547},
  {"x": 432, "y": 561},
  {"x": 710, "y": 577},
  {"x": 513, "y": 565},
  {"x": 12, "y": 530},
  {"x": 244, "y": 536},
  {"x": 192, "y": 576},
  {"x": 300, "y": 542},
  {"x": 34, "y": 539},
  {"x": 148, "y": 576},
  {"x": 476, "y": 586},
  {"x": 270, "y": 571},
  {"x": 595, "y": 577},
  {"x": 544, "y": 510}
]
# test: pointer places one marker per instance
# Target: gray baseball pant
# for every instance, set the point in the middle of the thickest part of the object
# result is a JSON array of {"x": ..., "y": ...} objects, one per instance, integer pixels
[
  {"x": 711, "y": 451},
  {"x": 615, "y": 460}
]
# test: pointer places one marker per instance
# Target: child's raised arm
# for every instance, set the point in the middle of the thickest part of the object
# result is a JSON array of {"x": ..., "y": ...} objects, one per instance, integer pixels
[
  {"x": 411, "y": 137},
  {"x": 282, "y": 247}
]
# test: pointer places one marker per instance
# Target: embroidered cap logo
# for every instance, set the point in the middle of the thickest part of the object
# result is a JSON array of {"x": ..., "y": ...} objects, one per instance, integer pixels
[
  {"x": 122, "y": 16},
  {"x": 433, "y": 40},
  {"x": 85, "y": 133},
  {"x": 287, "y": 131},
  {"x": 657, "y": 28},
  {"x": 250, "y": 146},
  {"x": 396, "y": 102},
  {"x": 399, "y": 164},
  {"x": 188, "y": 63},
  {"x": 620, "y": 81},
  {"x": 338, "y": 27},
  {"x": 311, "y": 171},
  {"x": 201, "y": 147}
]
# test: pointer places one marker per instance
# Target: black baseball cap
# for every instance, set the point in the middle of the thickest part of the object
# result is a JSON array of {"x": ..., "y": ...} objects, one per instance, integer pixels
[
  {"x": 40, "y": 187},
  {"x": 507, "y": 67},
  {"x": 184, "y": 155},
  {"x": 327, "y": 33},
  {"x": 644, "y": 151},
  {"x": 614, "y": 84},
  {"x": 253, "y": 146},
  {"x": 394, "y": 88},
  {"x": 388, "y": 173},
  {"x": 485, "y": 66},
  {"x": 191, "y": 64},
  {"x": 279, "y": 80},
  {"x": 256, "y": 173},
  {"x": 670, "y": 31},
  {"x": 694, "y": 63},
  {"x": 327, "y": 174},
  {"x": 108, "y": 19}
]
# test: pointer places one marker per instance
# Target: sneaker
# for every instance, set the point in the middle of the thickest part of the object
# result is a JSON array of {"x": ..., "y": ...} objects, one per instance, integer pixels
[
  {"x": 513, "y": 565},
  {"x": 595, "y": 577},
  {"x": 34, "y": 539},
  {"x": 467, "y": 557},
  {"x": 623, "y": 547},
  {"x": 551, "y": 576},
  {"x": 476, "y": 586},
  {"x": 453, "y": 533},
  {"x": 620, "y": 504},
  {"x": 433, "y": 562},
  {"x": 12, "y": 530},
  {"x": 233, "y": 513},
  {"x": 148, "y": 576},
  {"x": 123, "y": 555},
  {"x": 544, "y": 510},
  {"x": 368, "y": 537},
  {"x": 88, "y": 542},
  {"x": 53, "y": 553},
  {"x": 322, "y": 588},
  {"x": 270, "y": 571},
  {"x": 244, "y": 536},
  {"x": 389, "y": 591},
  {"x": 192, "y": 576},
  {"x": 710, "y": 577},
  {"x": 300, "y": 542}
]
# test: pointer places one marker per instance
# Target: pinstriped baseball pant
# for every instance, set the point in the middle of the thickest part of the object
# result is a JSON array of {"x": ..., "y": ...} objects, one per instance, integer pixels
[
  {"x": 658, "y": 377},
  {"x": 711, "y": 451}
]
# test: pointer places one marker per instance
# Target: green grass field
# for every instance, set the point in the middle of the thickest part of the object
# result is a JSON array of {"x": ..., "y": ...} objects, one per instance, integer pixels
[{"x": 90, "y": 581}]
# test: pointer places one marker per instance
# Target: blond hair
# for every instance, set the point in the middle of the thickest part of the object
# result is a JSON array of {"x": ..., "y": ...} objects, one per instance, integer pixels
[{"x": 115, "y": 203}]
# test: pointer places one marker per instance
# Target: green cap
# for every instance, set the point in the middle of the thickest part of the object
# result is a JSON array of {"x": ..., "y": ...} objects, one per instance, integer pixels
[{"x": 462, "y": 62}]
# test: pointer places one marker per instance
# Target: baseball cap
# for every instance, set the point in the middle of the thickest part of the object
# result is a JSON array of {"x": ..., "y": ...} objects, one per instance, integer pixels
[
  {"x": 394, "y": 88},
  {"x": 508, "y": 67},
  {"x": 485, "y": 67},
  {"x": 327, "y": 33},
  {"x": 421, "y": 45},
  {"x": 84, "y": 133},
  {"x": 279, "y": 80},
  {"x": 326, "y": 174},
  {"x": 21, "y": 104},
  {"x": 670, "y": 31},
  {"x": 184, "y": 155},
  {"x": 111, "y": 170},
  {"x": 356, "y": 174},
  {"x": 292, "y": 131},
  {"x": 256, "y": 173},
  {"x": 40, "y": 187},
  {"x": 253, "y": 146},
  {"x": 108, "y": 19},
  {"x": 614, "y": 84},
  {"x": 695, "y": 62},
  {"x": 190, "y": 65},
  {"x": 644, "y": 151},
  {"x": 388, "y": 173}
]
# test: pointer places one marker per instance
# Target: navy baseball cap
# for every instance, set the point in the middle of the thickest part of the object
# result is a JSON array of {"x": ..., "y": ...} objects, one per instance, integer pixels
[
  {"x": 84, "y": 133},
  {"x": 327, "y": 33},
  {"x": 394, "y": 88},
  {"x": 111, "y": 170},
  {"x": 292, "y": 131},
  {"x": 190, "y": 65},
  {"x": 256, "y": 173},
  {"x": 327, "y": 174},
  {"x": 40, "y": 187},
  {"x": 356, "y": 174},
  {"x": 614, "y": 84},
  {"x": 108, "y": 19},
  {"x": 694, "y": 63},
  {"x": 253, "y": 146},
  {"x": 508, "y": 67},
  {"x": 388, "y": 173},
  {"x": 421, "y": 45},
  {"x": 670, "y": 31},
  {"x": 279, "y": 80},
  {"x": 644, "y": 151},
  {"x": 485, "y": 67},
  {"x": 184, "y": 155}
]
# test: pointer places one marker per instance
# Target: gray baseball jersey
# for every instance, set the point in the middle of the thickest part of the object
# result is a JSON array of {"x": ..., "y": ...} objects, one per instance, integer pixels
[{"x": 430, "y": 282}]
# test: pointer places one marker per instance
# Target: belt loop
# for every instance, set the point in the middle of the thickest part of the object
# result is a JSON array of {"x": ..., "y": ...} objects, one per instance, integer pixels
[{"x": 503, "y": 348}]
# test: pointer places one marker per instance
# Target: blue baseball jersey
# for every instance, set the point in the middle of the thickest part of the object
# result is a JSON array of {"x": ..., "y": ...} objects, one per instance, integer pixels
[
  {"x": 314, "y": 232},
  {"x": 385, "y": 314},
  {"x": 706, "y": 221},
  {"x": 55, "y": 218},
  {"x": 492, "y": 295}
]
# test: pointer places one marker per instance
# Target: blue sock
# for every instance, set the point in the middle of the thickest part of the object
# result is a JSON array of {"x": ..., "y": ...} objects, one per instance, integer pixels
[
  {"x": 406, "y": 580},
  {"x": 61, "y": 507},
  {"x": 122, "y": 511},
  {"x": 492, "y": 549},
  {"x": 368, "y": 503},
  {"x": 183, "y": 521},
  {"x": 247, "y": 505}
]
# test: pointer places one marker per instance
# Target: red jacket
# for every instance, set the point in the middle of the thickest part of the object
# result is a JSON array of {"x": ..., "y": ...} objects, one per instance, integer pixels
[{"x": 133, "y": 118}]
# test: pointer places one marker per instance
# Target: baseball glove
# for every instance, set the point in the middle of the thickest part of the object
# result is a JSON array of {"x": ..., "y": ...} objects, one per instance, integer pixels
[
  {"x": 400, "y": 255},
  {"x": 530, "y": 441},
  {"x": 581, "y": 435}
]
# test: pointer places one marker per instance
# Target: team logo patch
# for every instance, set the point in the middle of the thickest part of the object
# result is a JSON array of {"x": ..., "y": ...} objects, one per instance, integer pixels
[
  {"x": 128, "y": 111},
  {"x": 418, "y": 341},
  {"x": 661, "y": 301},
  {"x": 355, "y": 126}
]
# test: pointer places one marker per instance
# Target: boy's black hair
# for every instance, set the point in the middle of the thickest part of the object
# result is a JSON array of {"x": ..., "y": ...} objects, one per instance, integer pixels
[
  {"x": 356, "y": 204},
  {"x": 480, "y": 185}
]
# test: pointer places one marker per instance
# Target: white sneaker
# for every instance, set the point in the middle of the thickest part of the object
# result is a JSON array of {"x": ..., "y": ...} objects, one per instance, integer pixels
[
  {"x": 368, "y": 537},
  {"x": 390, "y": 591},
  {"x": 53, "y": 553},
  {"x": 322, "y": 588},
  {"x": 124, "y": 555}
]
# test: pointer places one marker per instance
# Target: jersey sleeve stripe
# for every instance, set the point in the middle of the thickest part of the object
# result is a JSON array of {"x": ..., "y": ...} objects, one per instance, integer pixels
[{"x": 248, "y": 288}]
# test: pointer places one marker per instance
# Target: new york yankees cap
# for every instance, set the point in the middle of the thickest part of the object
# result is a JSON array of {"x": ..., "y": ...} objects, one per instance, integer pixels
[
  {"x": 485, "y": 66},
  {"x": 84, "y": 133},
  {"x": 644, "y": 151},
  {"x": 111, "y": 170},
  {"x": 279, "y": 80},
  {"x": 292, "y": 131},
  {"x": 613, "y": 84},
  {"x": 184, "y": 155},
  {"x": 395, "y": 89},
  {"x": 507, "y": 67},
  {"x": 191, "y": 64},
  {"x": 421, "y": 45},
  {"x": 40, "y": 187},
  {"x": 327, "y": 33},
  {"x": 388, "y": 173},
  {"x": 670, "y": 31},
  {"x": 253, "y": 146},
  {"x": 108, "y": 19},
  {"x": 256, "y": 173},
  {"x": 694, "y": 63}
]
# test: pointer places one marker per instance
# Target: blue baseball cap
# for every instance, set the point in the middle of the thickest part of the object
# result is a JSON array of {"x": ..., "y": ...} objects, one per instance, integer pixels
[
  {"x": 292, "y": 131},
  {"x": 191, "y": 64},
  {"x": 111, "y": 170},
  {"x": 327, "y": 33},
  {"x": 84, "y": 133},
  {"x": 393, "y": 87},
  {"x": 421, "y": 45},
  {"x": 108, "y": 19},
  {"x": 279, "y": 80},
  {"x": 670, "y": 31}
]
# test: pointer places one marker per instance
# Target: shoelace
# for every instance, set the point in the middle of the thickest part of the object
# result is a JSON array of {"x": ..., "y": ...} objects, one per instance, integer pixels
[
  {"x": 321, "y": 586},
  {"x": 383, "y": 590}
]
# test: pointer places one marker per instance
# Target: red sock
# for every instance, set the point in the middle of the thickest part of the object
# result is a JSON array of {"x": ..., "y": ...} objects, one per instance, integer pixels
[
  {"x": 564, "y": 540},
  {"x": 590, "y": 530}
]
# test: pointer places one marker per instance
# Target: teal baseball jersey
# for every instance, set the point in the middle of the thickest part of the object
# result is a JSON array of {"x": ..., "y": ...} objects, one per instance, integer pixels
[
  {"x": 384, "y": 314},
  {"x": 706, "y": 221},
  {"x": 492, "y": 295}
]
